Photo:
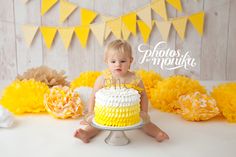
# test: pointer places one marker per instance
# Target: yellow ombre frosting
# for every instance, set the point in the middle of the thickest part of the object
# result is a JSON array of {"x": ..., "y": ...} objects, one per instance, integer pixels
[{"x": 117, "y": 107}]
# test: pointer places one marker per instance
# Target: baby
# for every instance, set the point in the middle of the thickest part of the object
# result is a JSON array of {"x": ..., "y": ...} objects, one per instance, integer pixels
[{"x": 118, "y": 57}]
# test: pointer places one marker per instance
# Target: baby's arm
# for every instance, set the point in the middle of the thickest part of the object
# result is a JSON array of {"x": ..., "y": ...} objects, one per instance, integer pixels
[
  {"x": 144, "y": 99},
  {"x": 98, "y": 85}
]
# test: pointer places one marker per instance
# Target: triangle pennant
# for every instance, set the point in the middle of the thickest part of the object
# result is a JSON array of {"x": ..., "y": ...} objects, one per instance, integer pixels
[
  {"x": 125, "y": 32},
  {"x": 164, "y": 29},
  {"x": 66, "y": 35},
  {"x": 87, "y": 16},
  {"x": 47, "y": 5},
  {"x": 107, "y": 29},
  {"x": 99, "y": 31},
  {"x": 145, "y": 30},
  {"x": 66, "y": 9},
  {"x": 115, "y": 26},
  {"x": 29, "y": 33},
  {"x": 176, "y": 4},
  {"x": 159, "y": 6},
  {"x": 180, "y": 26},
  {"x": 130, "y": 22},
  {"x": 145, "y": 15},
  {"x": 82, "y": 32},
  {"x": 107, "y": 32},
  {"x": 197, "y": 21},
  {"x": 48, "y": 35}
]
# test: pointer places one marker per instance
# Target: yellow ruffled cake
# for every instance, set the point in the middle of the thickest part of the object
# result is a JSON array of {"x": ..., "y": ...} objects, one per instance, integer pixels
[{"x": 117, "y": 107}]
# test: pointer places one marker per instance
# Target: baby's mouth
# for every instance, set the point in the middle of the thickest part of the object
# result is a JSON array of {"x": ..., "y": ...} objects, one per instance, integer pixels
[{"x": 118, "y": 70}]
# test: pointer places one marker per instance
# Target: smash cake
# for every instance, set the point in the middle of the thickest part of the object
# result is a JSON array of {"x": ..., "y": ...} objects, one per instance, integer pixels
[{"x": 117, "y": 107}]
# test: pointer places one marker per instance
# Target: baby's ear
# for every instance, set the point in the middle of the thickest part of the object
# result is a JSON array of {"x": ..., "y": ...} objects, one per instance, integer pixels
[{"x": 131, "y": 59}]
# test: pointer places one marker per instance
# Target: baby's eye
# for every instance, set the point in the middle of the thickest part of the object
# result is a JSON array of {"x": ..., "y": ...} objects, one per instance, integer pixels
[
  {"x": 113, "y": 61},
  {"x": 123, "y": 61}
]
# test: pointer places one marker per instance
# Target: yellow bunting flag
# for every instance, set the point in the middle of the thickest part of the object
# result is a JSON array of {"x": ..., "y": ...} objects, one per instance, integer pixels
[
  {"x": 197, "y": 21},
  {"x": 99, "y": 31},
  {"x": 82, "y": 32},
  {"x": 125, "y": 32},
  {"x": 180, "y": 26},
  {"x": 107, "y": 29},
  {"x": 29, "y": 33},
  {"x": 145, "y": 30},
  {"x": 164, "y": 28},
  {"x": 145, "y": 15},
  {"x": 66, "y": 9},
  {"x": 159, "y": 6},
  {"x": 47, "y": 5},
  {"x": 115, "y": 26},
  {"x": 130, "y": 22},
  {"x": 87, "y": 16},
  {"x": 66, "y": 35},
  {"x": 48, "y": 35},
  {"x": 176, "y": 4}
]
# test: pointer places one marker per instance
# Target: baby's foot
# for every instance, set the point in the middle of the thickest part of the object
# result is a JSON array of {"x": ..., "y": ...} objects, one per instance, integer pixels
[
  {"x": 82, "y": 134},
  {"x": 161, "y": 136}
]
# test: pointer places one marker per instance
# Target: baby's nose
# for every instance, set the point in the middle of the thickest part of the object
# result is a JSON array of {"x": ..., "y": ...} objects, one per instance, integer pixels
[{"x": 118, "y": 63}]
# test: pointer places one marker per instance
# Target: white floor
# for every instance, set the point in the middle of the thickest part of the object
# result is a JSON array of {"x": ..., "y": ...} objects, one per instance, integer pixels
[{"x": 44, "y": 136}]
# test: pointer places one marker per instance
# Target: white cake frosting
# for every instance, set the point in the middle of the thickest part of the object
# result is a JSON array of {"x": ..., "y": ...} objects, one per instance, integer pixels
[
  {"x": 117, "y": 107},
  {"x": 117, "y": 96}
]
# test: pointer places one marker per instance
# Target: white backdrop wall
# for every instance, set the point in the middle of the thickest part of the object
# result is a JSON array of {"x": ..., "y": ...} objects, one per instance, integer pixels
[{"x": 214, "y": 52}]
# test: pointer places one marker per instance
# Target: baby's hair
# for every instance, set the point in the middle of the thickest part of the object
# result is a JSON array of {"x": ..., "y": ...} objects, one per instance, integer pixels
[{"x": 118, "y": 46}]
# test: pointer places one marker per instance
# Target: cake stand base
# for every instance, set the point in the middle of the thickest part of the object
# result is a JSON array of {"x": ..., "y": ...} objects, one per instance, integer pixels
[
  {"x": 117, "y": 135},
  {"x": 117, "y": 138}
]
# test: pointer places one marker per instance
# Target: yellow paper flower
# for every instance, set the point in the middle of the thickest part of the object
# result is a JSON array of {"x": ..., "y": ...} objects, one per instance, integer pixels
[
  {"x": 85, "y": 79},
  {"x": 167, "y": 92},
  {"x": 150, "y": 79},
  {"x": 24, "y": 96},
  {"x": 63, "y": 102},
  {"x": 198, "y": 107},
  {"x": 225, "y": 96}
]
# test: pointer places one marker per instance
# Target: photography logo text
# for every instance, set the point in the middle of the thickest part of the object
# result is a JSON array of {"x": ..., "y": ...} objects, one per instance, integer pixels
[{"x": 165, "y": 57}]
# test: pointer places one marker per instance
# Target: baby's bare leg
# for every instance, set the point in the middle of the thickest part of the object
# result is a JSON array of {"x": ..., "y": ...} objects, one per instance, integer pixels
[
  {"x": 152, "y": 130},
  {"x": 87, "y": 134}
]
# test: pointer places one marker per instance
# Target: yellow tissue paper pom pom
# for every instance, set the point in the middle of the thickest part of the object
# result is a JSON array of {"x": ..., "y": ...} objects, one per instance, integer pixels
[
  {"x": 63, "y": 102},
  {"x": 24, "y": 96},
  {"x": 150, "y": 79},
  {"x": 85, "y": 79},
  {"x": 225, "y": 96},
  {"x": 167, "y": 92},
  {"x": 198, "y": 107}
]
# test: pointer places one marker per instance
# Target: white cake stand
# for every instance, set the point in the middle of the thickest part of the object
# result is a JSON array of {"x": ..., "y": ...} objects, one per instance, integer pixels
[{"x": 117, "y": 135}]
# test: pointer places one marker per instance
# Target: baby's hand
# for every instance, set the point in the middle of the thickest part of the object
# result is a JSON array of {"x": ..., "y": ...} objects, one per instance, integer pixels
[
  {"x": 145, "y": 116},
  {"x": 83, "y": 122}
]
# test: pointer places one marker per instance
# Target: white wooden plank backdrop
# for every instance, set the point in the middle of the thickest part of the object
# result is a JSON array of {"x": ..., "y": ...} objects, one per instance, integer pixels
[{"x": 214, "y": 52}]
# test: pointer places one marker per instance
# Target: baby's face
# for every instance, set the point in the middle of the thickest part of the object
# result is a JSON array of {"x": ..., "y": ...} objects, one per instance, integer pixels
[{"x": 119, "y": 64}]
